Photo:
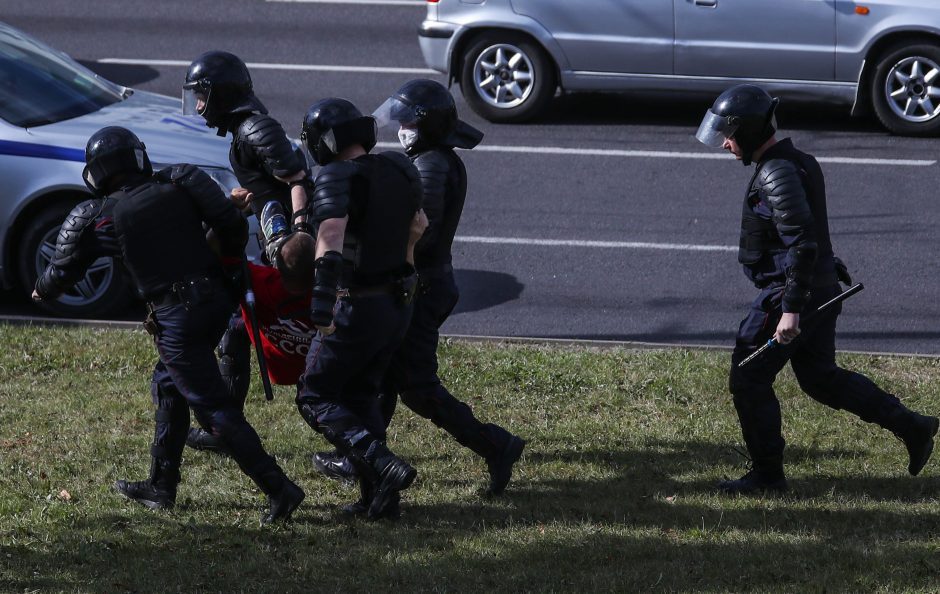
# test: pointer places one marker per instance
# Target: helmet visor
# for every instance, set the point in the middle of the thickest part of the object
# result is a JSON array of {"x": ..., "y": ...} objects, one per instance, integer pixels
[
  {"x": 396, "y": 110},
  {"x": 714, "y": 129},
  {"x": 195, "y": 100}
]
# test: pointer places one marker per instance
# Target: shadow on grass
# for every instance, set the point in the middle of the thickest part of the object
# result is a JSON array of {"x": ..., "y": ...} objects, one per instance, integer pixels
[{"x": 636, "y": 523}]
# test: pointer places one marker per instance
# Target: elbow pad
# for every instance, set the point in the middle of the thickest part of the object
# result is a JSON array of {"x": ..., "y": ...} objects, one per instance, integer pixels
[
  {"x": 799, "y": 277},
  {"x": 326, "y": 280}
]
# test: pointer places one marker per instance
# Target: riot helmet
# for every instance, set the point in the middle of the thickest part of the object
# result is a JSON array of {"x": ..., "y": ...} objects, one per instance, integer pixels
[
  {"x": 426, "y": 112},
  {"x": 744, "y": 113},
  {"x": 332, "y": 125},
  {"x": 111, "y": 151},
  {"x": 222, "y": 82}
]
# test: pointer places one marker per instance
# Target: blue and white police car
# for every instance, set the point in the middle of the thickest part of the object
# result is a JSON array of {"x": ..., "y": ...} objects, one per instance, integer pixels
[{"x": 49, "y": 106}]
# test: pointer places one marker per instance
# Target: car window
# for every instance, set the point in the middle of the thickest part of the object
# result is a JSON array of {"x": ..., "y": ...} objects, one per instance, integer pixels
[{"x": 41, "y": 86}]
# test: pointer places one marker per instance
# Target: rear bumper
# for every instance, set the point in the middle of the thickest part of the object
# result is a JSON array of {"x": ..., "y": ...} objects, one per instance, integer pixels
[{"x": 435, "y": 39}]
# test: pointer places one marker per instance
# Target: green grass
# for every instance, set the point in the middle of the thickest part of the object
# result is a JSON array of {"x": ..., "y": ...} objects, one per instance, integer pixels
[{"x": 614, "y": 493}]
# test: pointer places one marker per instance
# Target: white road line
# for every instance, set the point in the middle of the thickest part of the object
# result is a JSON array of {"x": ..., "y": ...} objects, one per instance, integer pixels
[
  {"x": 363, "y": 2},
  {"x": 270, "y": 66},
  {"x": 718, "y": 156},
  {"x": 634, "y": 245}
]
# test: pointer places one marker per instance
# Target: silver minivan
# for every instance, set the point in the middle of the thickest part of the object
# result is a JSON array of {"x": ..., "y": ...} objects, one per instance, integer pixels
[{"x": 510, "y": 56}]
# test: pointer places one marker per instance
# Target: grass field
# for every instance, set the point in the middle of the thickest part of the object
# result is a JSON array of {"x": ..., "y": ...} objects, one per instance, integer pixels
[{"x": 614, "y": 493}]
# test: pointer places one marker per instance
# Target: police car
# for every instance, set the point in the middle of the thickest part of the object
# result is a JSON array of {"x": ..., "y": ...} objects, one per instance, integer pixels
[{"x": 49, "y": 106}]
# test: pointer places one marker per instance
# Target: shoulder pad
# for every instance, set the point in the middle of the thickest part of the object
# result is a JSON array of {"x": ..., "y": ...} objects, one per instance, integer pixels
[
  {"x": 79, "y": 220},
  {"x": 176, "y": 173},
  {"x": 432, "y": 162},
  {"x": 332, "y": 190},
  {"x": 781, "y": 182},
  {"x": 268, "y": 141}
]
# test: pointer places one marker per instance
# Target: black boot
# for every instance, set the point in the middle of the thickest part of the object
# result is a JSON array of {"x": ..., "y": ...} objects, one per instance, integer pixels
[
  {"x": 158, "y": 491},
  {"x": 392, "y": 474},
  {"x": 917, "y": 432},
  {"x": 755, "y": 482},
  {"x": 335, "y": 465},
  {"x": 500, "y": 465},
  {"x": 366, "y": 494},
  {"x": 202, "y": 440},
  {"x": 283, "y": 495}
]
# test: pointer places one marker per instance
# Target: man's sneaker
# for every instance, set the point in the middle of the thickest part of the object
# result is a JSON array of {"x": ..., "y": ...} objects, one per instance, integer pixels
[
  {"x": 397, "y": 476},
  {"x": 918, "y": 439},
  {"x": 200, "y": 439},
  {"x": 283, "y": 504},
  {"x": 754, "y": 482},
  {"x": 335, "y": 466},
  {"x": 500, "y": 466},
  {"x": 146, "y": 493}
]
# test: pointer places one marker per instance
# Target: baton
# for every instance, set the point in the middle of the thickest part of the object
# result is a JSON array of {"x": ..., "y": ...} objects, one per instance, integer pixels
[
  {"x": 822, "y": 308},
  {"x": 256, "y": 332}
]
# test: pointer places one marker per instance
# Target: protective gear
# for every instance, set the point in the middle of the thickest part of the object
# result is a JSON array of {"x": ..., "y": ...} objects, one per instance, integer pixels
[
  {"x": 260, "y": 154},
  {"x": 175, "y": 204},
  {"x": 334, "y": 465},
  {"x": 332, "y": 125},
  {"x": 408, "y": 138},
  {"x": 744, "y": 113},
  {"x": 74, "y": 246},
  {"x": 444, "y": 187},
  {"x": 500, "y": 466},
  {"x": 427, "y": 108},
  {"x": 111, "y": 151},
  {"x": 225, "y": 85},
  {"x": 917, "y": 432},
  {"x": 376, "y": 241},
  {"x": 755, "y": 482},
  {"x": 156, "y": 492},
  {"x": 326, "y": 282}
]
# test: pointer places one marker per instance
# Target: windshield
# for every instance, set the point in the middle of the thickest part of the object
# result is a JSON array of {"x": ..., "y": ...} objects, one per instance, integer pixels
[{"x": 39, "y": 85}]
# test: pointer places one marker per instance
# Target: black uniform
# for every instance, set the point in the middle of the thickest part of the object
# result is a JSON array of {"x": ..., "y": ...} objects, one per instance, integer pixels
[
  {"x": 413, "y": 371},
  {"x": 787, "y": 253},
  {"x": 337, "y": 394},
  {"x": 155, "y": 224}
]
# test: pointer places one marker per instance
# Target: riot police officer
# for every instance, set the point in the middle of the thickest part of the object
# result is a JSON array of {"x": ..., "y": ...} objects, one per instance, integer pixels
[
  {"x": 786, "y": 252},
  {"x": 429, "y": 130},
  {"x": 154, "y": 222},
  {"x": 362, "y": 207},
  {"x": 218, "y": 87}
]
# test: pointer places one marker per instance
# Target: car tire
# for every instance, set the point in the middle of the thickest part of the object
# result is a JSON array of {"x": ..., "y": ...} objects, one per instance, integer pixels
[
  {"x": 104, "y": 288},
  {"x": 506, "y": 77},
  {"x": 905, "y": 100}
]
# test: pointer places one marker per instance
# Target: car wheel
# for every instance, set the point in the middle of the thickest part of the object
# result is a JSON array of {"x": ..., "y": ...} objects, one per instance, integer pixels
[
  {"x": 507, "y": 78},
  {"x": 103, "y": 288},
  {"x": 906, "y": 90}
]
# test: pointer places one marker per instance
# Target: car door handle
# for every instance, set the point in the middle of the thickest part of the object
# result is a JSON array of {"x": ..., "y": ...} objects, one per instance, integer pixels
[{"x": 706, "y": 3}]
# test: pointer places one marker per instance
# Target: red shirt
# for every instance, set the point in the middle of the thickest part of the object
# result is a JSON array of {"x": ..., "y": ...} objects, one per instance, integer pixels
[{"x": 284, "y": 322}]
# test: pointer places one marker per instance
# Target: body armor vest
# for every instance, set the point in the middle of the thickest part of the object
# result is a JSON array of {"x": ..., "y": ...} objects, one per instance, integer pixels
[
  {"x": 161, "y": 236},
  {"x": 381, "y": 206}
]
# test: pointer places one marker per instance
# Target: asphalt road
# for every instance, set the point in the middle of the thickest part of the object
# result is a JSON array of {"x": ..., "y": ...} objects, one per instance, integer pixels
[{"x": 514, "y": 280}]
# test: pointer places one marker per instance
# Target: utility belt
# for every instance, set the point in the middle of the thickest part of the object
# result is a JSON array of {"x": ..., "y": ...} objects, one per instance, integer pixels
[
  {"x": 188, "y": 293},
  {"x": 403, "y": 289}
]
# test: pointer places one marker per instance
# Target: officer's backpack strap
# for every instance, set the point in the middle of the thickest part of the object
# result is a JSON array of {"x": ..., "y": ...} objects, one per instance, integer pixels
[
  {"x": 781, "y": 181},
  {"x": 268, "y": 141}
]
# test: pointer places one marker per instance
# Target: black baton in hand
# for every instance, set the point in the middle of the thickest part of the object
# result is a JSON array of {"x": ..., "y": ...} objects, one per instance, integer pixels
[
  {"x": 822, "y": 308},
  {"x": 256, "y": 332}
]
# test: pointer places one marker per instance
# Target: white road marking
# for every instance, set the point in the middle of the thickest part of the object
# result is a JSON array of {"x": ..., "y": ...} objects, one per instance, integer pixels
[
  {"x": 635, "y": 245},
  {"x": 274, "y": 66},
  {"x": 717, "y": 156},
  {"x": 363, "y": 2}
]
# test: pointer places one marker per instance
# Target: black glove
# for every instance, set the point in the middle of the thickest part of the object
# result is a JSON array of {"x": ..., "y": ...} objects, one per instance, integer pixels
[{"x": 842, "y": 272}]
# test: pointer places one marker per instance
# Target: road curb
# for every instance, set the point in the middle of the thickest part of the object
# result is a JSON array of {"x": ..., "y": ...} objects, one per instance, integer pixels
[{"x": 520, "y": 340}]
